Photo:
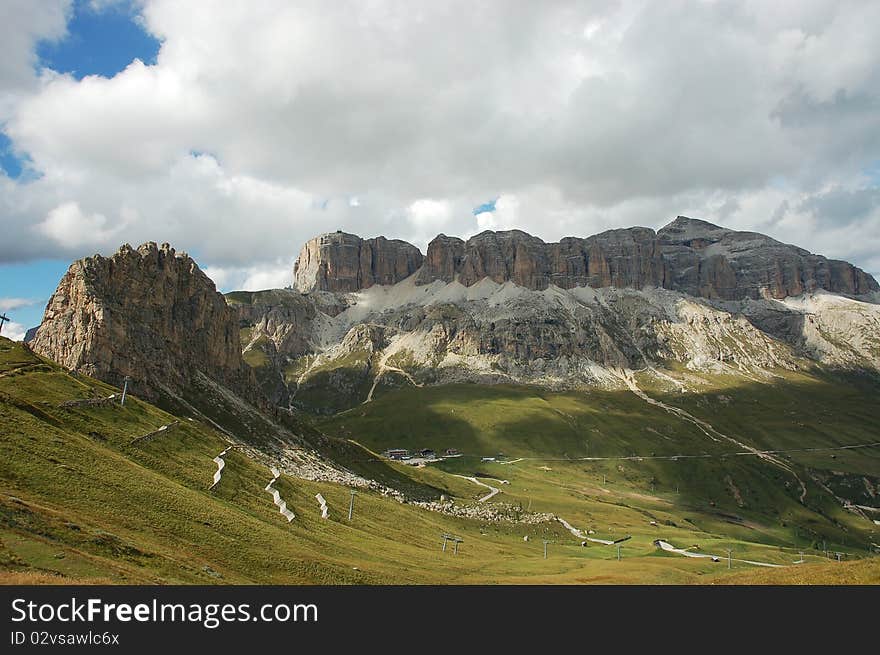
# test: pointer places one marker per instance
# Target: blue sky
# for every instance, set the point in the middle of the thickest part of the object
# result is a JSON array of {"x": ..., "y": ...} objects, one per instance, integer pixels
[
  {"x": 99, "y": 42},
  {"x": 34, "y": 281},
  {"x": 485, "y": 207},
  {"x": 10, "y": 164}
]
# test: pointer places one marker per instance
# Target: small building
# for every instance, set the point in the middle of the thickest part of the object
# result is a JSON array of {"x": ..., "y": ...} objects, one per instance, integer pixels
[
  {"x": 427, "y": 453},
  {"x": 397, "y": 453}
]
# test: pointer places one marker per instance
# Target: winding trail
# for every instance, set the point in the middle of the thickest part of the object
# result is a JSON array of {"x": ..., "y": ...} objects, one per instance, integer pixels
[
  {"x": 221, "y": 464},
  {"x": 22, "y": 368},
  {"x": 276, "y": 496},
  {"x": 323, "y": 504},
  {"x": 707, "y": 429},
  {"x": 580, "y": 534},
  {"x": 492, "y": 490},
  {"x": 483, "y": 477},
  {"x": 668, "y": 547}
]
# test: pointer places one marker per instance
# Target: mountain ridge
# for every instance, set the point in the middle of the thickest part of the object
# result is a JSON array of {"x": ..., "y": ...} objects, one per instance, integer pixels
[
  {"x": 688, "y": 255},
  {"x": 501, "y": 306}
]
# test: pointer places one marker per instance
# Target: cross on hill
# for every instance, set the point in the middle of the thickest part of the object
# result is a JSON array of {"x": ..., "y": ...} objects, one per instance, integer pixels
[{"x": 3, "y": 319}]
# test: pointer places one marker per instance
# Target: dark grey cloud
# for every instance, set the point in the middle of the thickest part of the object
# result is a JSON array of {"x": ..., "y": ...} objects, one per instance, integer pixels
[{"x": 841, "y": 207}]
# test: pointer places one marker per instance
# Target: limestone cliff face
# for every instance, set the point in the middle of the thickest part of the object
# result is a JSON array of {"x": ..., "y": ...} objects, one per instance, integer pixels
[
  {"x": 345, "y": 262},
  {"x": 442, "y": 261},
  {"x": 713, "y": 262},
  {"x": 508, "y": 307},
  {"x": 688, "y": 255},
  {"x": 148, "y": 313}
]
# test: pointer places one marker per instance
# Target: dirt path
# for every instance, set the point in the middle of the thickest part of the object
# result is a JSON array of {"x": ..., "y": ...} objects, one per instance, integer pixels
[
  {"x": 19, "y": 369},
  {"x": 492, "y": 490},
  {"x": 276, "y": 496},
  {"x": 580, "y": 533},
  {"x": 221, "y": 464},
  {"x": 668, "y": 547},
  {"x": 740, "y": 453}
]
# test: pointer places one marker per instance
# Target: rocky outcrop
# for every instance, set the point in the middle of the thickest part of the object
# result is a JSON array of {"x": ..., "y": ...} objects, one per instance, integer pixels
[
  {"x": 345, "y": 262},
  {"x": 30, "y": 334},
  {"x": 442, "y": 261},
  {"x": 709, "y": 261},
  {"x": 150, "y": 314},
  {"x": 688, "y": 255}
]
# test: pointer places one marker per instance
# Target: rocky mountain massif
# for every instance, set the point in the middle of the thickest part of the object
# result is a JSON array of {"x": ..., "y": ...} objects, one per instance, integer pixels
[
  {"x": 150, "y": 314},
  {"x": 501, "y": 306},
  {"x": 688, "y": 255},
  {"x": 363, "y": 314},
  {"x": 508, "y": 307},
  {"x": 345, "y": 262}
]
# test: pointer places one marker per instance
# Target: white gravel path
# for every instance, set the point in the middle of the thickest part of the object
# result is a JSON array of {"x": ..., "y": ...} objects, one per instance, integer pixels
[
  {"x": 221, "y": 464},
  {"x": 276, "y": 497},
  {"x": 668, "y": 547},
  {"x": 323, "y": 504},
  {"x": 492, "y": 490}
]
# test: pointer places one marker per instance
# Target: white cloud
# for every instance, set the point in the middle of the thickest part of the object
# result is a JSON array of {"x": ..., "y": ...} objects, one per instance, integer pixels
[
  {"x": 397, "y": 118},
  {"x": 14, "y": 331},
  {"x": 268, "y": 277},
  {"x": 274, "y": 275},
  {"x": 10, "y": 304},
  {"x": 67, "y": 225},
  {"x": 22, "y": 24}
]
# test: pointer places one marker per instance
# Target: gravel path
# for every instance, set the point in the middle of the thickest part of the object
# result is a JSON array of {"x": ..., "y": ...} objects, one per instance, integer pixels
[
  {"x": 276, "y": 496},
  {"x": 221, "y": 464},
  {"x": 668, "y": 547},
  {"x": 492, "y": 490}
]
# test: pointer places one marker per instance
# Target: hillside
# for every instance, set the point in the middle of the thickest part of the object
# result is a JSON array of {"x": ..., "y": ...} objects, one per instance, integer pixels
[{"x": 81, "y": 502}]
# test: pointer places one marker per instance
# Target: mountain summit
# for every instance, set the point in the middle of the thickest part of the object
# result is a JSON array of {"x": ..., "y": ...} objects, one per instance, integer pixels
[
  {"x": 150, "y": 314},
  {"x": 687, "y": 255}
]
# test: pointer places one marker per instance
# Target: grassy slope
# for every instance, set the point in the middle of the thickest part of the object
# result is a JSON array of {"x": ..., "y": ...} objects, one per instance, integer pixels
[
  {"x": 714, "y": 498},
  {"x": 74, "y": 486},
  {"x": 78, "y": 501},
  {"x": 825, "y": 573}
]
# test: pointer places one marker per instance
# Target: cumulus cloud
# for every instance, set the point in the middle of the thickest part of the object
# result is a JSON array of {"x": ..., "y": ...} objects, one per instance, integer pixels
[
  {"x": 22, "y": 25},
  {"x": 10, "y": 304},
  {"x": 14, "y": 331},
  {"x": 399, "y": 117},
  {"x": 67, "y": 225},
  {"x": 272, "y": 275}
]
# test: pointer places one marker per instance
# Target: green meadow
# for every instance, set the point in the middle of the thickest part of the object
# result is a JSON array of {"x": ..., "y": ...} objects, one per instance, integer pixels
[{"x": 80, "y": 502}]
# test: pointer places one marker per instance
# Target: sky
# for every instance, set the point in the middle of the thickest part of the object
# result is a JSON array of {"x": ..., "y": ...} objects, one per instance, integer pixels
[{"x": 238, "y": 130}]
